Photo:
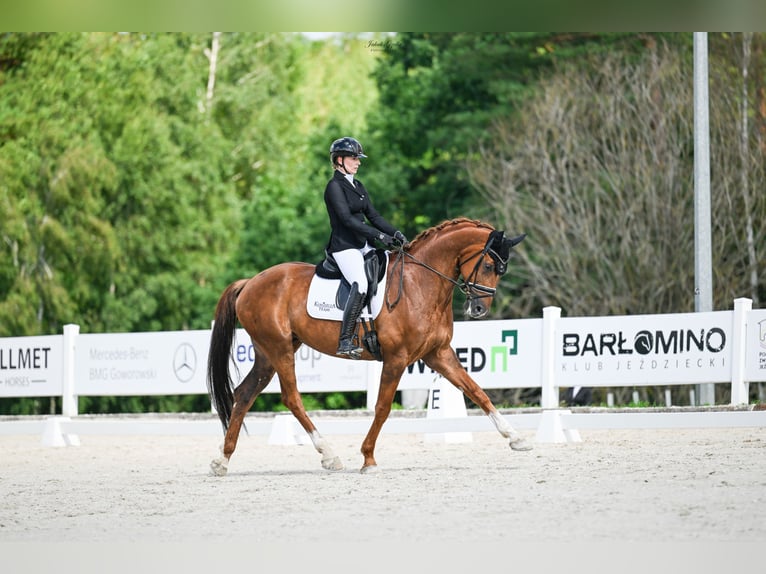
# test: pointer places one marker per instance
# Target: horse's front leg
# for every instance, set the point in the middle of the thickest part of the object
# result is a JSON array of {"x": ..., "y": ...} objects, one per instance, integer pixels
[
  {"x": 515, "y": 440},
  {"x": 445, "y": 362},
  {"x": 389, "y": 381}
]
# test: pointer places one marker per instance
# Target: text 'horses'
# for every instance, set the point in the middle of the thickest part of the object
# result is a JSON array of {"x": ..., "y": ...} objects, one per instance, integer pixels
[{"x": 417, "y": 325}]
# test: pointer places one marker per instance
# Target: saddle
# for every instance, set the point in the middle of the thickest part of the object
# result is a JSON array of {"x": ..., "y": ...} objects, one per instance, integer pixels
[
  {"x": 374, "y": 269},
  {"x": 375, "y": 263}
]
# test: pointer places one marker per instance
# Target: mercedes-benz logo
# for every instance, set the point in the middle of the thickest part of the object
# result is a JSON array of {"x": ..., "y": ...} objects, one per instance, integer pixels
[{"x": 184, "y": 362}]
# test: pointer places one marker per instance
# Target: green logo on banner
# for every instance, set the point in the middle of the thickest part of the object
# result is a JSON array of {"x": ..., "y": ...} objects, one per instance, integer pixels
[{"x": 504, "y": 351}]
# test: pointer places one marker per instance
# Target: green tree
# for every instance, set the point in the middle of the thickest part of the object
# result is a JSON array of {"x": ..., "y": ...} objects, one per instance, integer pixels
[
  {"x": 439, "y": 95},
  {"x": 133, "y": 188},
  {"x": 115, "y": 185},
  {"x": 57, "y": 243},
  {"x": 321, "y": 91}
]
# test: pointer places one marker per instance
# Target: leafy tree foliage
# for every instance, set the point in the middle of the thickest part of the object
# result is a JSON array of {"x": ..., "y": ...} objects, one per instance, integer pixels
[
  {"x": 281, "y": 142},
  {"x": 115, "y": 185},
  {"x": 440, "y": 92},
  {"x": 129, "y": 198}
]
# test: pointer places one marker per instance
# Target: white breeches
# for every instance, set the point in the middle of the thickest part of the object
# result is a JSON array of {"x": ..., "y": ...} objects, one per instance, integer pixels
[{"x": 351, "y": 264}]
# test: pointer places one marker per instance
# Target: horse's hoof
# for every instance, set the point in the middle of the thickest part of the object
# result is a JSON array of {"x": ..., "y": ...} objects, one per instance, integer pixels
[
  {"x": 520, "y": 444},
  {"x": 219, "y": 467},
  {"x": 372, "y": 469},
  {"x": 332, "y": 464}
]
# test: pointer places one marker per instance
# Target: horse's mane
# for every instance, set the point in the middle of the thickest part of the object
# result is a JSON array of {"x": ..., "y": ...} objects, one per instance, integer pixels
[{"x": 448, "y": 223}]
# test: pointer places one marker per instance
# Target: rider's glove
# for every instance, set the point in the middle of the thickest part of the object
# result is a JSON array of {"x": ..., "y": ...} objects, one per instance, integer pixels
[
  {"x": 387, "y": 240},
  {"x": 399, "y": 236}
]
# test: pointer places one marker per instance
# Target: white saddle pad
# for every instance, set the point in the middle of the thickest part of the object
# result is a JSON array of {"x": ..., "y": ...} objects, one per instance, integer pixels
[{"x": 320, "y": 302}]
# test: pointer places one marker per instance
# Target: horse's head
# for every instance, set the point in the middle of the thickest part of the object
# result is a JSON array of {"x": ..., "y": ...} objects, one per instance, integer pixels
[
  {"x": 469, "y": 254},
  {"x": 482, "y": 271}
]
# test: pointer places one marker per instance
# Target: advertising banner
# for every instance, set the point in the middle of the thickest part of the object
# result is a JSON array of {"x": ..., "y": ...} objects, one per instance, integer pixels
[
  {"x": 31, "y": 366},
  {"x": 632, "y": 350},
  {"x": 314, "y": 371},
  {"x": 644, "y": 349},
  {"x": 755, "y": 340},
  {"x": 155, "y": 363},
  {"x": 498, "y": 354}
]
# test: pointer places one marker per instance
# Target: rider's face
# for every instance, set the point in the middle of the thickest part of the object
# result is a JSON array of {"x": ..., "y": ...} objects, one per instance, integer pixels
[{"x": 351, "y": 164}]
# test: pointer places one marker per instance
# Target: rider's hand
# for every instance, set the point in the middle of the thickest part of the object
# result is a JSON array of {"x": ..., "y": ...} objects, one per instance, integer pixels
[
  {"x": 387, "y": 240},
  {"x": 399, "y": 236}
]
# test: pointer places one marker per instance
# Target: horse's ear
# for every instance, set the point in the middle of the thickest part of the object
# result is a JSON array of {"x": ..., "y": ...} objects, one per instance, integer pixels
[{"x": 514, "y": 241}]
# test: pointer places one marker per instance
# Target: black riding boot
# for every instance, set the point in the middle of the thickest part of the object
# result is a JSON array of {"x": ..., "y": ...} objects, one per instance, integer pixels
[{"x": 348, "y": 327}]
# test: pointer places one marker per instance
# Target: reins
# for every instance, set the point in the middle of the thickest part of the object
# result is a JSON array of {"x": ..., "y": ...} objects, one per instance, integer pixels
[
  {"x": 400, "y": 253},
  {"x": 467, "y": 287}
]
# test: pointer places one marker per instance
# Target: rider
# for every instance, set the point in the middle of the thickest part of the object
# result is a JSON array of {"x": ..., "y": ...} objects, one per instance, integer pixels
[{"x": 348, "y": 203}]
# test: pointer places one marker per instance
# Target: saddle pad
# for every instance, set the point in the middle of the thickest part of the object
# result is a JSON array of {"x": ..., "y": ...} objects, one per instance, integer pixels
[{"x": 320, "y": 302}]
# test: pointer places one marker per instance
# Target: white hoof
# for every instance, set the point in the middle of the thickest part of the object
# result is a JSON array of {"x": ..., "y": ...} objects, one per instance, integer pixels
[
  {"x": 520, "y": 444},
  {"x": 372, "y": 469},
  {"x": 333, "y": 463},
  {"x": 219, "y": 467}
]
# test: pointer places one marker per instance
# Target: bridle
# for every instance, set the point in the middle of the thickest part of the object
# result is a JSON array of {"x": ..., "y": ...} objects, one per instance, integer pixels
[{"x": 469, "y": 286}]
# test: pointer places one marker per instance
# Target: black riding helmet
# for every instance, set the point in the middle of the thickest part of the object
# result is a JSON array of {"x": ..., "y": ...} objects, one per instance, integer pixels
[{"x": 345, "y": 147}]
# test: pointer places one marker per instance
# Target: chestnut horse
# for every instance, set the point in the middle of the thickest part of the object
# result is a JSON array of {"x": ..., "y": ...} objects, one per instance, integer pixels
[{"x": 415, "y": 323}]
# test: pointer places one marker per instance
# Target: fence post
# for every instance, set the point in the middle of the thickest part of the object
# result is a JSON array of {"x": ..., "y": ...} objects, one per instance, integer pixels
[
  {"x": 549, "y": 396},
  {"x": 69, "y": 393},
  {"x": 551, "y": 426},
  {"x": 740, "y": 388}
]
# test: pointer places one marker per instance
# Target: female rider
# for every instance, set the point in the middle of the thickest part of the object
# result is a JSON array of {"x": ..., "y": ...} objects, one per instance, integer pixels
[{"x": 348, "y": 204}]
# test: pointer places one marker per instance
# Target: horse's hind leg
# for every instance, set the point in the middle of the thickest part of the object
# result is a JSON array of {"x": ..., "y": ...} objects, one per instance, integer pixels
[
  {"x": 293, "y": 401},
  {"x": 244, "y": 397}
]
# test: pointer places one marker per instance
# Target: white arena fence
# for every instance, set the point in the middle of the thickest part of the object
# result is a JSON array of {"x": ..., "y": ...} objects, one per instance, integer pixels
[{"x": 549, "y": 353}]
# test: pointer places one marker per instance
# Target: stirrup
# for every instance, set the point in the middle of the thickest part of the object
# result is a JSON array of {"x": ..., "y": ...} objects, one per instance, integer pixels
[{"x": 349, "y": 349}]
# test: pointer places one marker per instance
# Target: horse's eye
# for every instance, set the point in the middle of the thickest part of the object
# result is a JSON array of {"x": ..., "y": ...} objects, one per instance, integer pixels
[{"x": 488, "y": 266}]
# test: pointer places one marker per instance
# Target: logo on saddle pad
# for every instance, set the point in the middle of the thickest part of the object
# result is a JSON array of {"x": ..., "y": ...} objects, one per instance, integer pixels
[{"x": 321, "y": 302}]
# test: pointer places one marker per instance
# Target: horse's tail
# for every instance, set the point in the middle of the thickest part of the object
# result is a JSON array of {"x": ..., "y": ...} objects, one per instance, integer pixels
[{"x": 219, "y": 384}]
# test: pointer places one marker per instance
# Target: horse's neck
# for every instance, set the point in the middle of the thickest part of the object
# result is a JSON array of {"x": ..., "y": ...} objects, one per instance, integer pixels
[
  {"x": 442, "y": 252},
  {"x": 438, "y": 257}
]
